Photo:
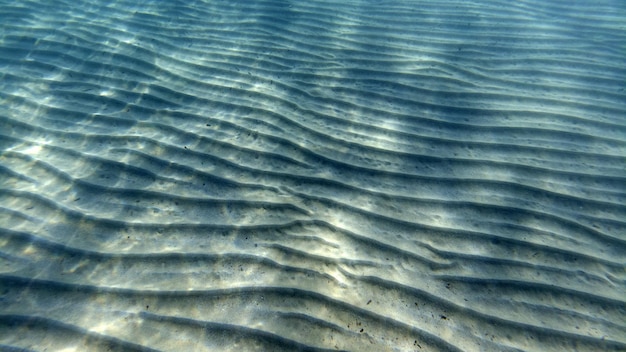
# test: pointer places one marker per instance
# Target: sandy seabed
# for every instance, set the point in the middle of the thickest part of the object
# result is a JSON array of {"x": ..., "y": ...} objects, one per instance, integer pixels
[{"x": 313, "y": 175}]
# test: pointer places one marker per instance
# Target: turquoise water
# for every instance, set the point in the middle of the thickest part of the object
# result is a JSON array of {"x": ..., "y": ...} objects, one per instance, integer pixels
[{"x": 319, "y": 175}]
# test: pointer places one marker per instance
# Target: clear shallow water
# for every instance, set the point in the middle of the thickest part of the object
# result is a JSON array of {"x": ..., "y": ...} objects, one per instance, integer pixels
[{"x": 286, "y": 175}]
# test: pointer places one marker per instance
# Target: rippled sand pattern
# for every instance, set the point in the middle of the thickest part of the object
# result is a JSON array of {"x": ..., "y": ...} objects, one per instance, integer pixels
[{"x": 313, "y": 175}]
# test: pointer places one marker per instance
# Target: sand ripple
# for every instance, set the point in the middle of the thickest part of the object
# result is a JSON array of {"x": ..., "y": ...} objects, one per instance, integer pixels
[{"x": 314, "y": 175}]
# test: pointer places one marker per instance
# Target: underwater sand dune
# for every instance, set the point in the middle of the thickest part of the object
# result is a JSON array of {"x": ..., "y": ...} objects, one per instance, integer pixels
[{"x": 282, "y": 175}]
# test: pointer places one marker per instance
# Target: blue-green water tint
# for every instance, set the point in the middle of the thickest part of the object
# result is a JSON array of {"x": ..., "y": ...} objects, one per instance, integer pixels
[{"x": 289, "y": 175}]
